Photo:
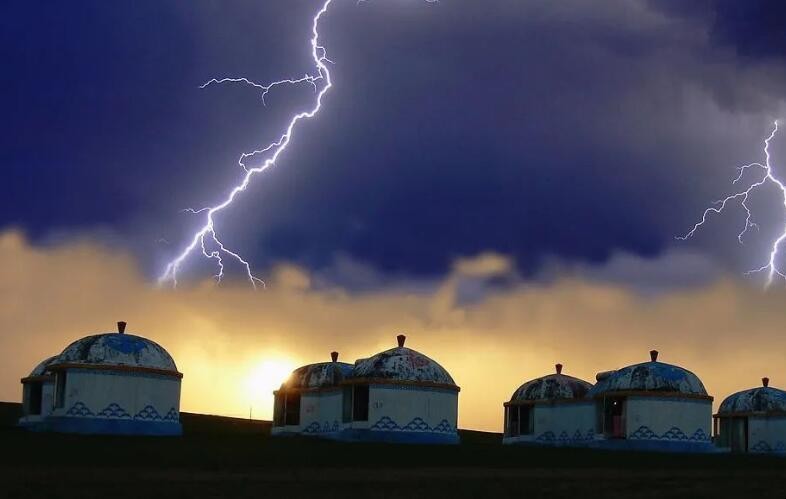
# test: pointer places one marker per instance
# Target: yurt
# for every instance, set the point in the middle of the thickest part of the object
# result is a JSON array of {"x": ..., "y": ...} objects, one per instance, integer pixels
[
  {"x": 311, "y": 400},
  {"x": 552, "y": 410},
  {"x": 110, "y": 383},
  {"x": 652, "y": 406},
  {"x": 753, "y": 421},
  {"x": 400, "y": 395}
]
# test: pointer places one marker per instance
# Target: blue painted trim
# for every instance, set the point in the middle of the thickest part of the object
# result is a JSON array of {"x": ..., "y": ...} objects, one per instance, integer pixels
[
  {"x": 417, "y": 424},
  {"x": 672, "y": 434},
  {"x": 763, "y": 447},
  {"x": 654, "y": 445},
  {"x": 97, "y": 426},
  {"x": 413, "y": 388},
  {"x": 127, "y": 374},
  {"x": 325, "y": 427},
  {"x": 397, "y": 437}
]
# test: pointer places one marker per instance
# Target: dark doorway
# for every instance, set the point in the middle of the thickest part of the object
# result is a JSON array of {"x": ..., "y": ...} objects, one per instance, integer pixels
[
  {"x": 360, "y": 403},
  {"x": 292, "y": 409},
  {"x": 739, "y": 435},
  {"x": 614, "y": 418},
  {"x": 60, "y": 389},
  {"x": 35, "y": 394}
]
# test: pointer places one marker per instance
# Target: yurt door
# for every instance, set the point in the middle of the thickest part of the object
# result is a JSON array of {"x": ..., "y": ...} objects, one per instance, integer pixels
[{"x": 739, "y": 435}]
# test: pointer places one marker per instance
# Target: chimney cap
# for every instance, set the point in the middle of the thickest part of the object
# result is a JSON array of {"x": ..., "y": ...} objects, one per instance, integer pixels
[
  {"x": 401, "y": 339},
  {"x": 334, "y": 356},
  {"x": 654, "y": 355},
  {"x": 765, "y": 382},
  {"x": 121, "y": 327},
  {"x": 559, "y": 368}
]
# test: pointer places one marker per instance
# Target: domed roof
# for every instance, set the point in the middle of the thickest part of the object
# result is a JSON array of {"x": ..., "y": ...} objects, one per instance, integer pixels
[
  {"x": 41, "y": 368},
  {"x": 319, "y": 375},
  {"x": 651, "y": 376},
  {"x": 761, "y": 399},
  {"x": 552, "y": 387},
  {"x": 118, "y": 349},
  {"x": 402, "y": 364}
]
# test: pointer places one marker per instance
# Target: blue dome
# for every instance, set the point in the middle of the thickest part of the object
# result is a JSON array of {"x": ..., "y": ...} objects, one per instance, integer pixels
[
  {"x": 320, "y": 375},
  {"x": 651, "y": 376},
  {"x": 552, "y": 387},
  {"x": 402, "y": 364},
  {"x": 762, "y": 399},
  {"x": 117, "y": 349}
]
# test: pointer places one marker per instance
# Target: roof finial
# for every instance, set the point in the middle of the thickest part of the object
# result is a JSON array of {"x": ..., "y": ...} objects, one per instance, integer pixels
[
  {"x": 559, "y": 368},
  {"x": 401, "y": 339},
  {"x": 765, "y": 382},
  {"x": 334, "y": 356},
  {"x": 121, "y": 327},
  {"x": 654, "y": 355}
]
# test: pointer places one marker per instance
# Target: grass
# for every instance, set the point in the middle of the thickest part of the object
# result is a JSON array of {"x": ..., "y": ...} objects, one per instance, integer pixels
[{"x": 227, "y": 457}]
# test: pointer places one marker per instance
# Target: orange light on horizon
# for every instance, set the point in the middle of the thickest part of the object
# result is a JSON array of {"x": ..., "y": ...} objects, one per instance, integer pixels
[{"x": 264, "y": 377}]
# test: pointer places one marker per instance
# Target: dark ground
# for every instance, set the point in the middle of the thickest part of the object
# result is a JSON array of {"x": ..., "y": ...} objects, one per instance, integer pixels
[{"x": 224, "y": 457}]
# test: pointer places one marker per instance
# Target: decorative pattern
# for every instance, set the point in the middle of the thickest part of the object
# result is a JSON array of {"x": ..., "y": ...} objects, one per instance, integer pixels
[
  {"x": 149, "y": 413},
  {"x": 172, "y": 415},
  {"x": 673, "y": 433},
  {"x": 114, "y": 410},
  {"x": 564, "y": 438},
  {"x": 763, "y": 446},
  {"x": 418, "y": 424},
  {"x": 79, "y": 409},
  {"x": 326, "y": 427}
]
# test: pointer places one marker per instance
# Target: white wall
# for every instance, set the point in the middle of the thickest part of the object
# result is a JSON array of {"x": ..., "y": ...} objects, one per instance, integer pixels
[
  {"x": 655, "y": 418},
  {"x": 560, "y": 424},
  {"x": 422, "y": 408},
  {"x": 320, "y": 412},
  {"x": 766, "y": 434},
  {"x": 133, "y": 393}
]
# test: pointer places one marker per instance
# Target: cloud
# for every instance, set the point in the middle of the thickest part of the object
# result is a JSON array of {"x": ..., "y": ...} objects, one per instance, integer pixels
[{"x": 725, "y": 331}]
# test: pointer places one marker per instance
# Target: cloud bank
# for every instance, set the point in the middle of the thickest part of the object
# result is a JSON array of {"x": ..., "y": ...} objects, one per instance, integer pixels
[{"x": 725, "y": 331}]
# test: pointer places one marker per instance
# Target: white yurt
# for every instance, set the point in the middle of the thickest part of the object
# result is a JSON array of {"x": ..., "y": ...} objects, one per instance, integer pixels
[
  {"x": 753, "y": 421},
  {"x": 310, "y": 401},
  {"x": 38, "y": 392},
  {"x": 652, "y": 406},
  {"x": 111, "y": 383},
  {"x": 400, "y": 395},
  {"x": 553, "y": 410}
]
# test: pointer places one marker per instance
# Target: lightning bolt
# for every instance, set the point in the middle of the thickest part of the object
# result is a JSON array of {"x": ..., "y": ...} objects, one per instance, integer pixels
[
  {"x": 742, "y": 196},
  {"x": 206, "y": 240}
]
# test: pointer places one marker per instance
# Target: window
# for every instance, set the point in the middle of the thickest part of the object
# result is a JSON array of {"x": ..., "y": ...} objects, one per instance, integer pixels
[
  {"x": 346, "y": 401},
  {"x": 60, "y": 389},
  {"x": 360, "y": 403},
  {"x": 278, "y": 409},
  {"x": 292, "y": 410}
]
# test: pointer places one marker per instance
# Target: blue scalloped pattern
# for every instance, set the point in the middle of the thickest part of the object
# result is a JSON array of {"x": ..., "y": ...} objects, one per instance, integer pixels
[
  {"x": 114, "y": 410},
  {"x": 79, "y": 409},
  {"x": 148, "y": 413},
  {"x": 762, "y": 446},
  {"x": 673, "y": 433},
  {"x": 325, "y": 427},
  {"x": 564, "y": 437},
  {"x": 172, "y": 415},
  {"x": 417, "y": 424}
]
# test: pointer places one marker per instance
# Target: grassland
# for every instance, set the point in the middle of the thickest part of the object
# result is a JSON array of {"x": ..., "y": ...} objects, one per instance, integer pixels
[{"x": 224, "y": 457}]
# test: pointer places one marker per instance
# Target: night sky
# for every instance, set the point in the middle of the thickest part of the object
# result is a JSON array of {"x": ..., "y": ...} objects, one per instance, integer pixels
[
  {"x": 560, "y": 134},
  {"x": 516, "y": 143}
]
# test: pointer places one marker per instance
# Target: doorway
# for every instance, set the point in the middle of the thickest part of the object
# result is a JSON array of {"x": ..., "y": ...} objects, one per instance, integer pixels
[{"x": 614, "y": 417}]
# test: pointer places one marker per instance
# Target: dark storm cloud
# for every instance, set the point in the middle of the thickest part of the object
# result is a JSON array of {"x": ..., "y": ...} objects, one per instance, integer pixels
[{"x": 569, "y": 131}]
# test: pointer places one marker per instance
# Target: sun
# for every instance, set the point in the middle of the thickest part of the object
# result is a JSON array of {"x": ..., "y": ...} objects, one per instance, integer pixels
[{"x": 263, "y": 378}]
